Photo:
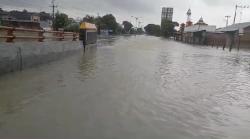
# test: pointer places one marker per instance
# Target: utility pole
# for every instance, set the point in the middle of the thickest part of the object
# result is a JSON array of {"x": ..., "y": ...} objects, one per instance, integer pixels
[
  {"x": 236, "y": 8},
  {"x": 53, "y": 6},
  {"x": 227, "y": 18}
]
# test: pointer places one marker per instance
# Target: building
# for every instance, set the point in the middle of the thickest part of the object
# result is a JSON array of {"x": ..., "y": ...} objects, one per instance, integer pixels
[
  {"x": 167, "y": 13},
  {"x": 179, "y": 35},
  {"x": 197, "y": 33},
  {"x": 35, "y": 18},
  {"x": 25, "y": 19},
  {"x": 201, "y": 22},
  {"x": 237, "y": 35}
]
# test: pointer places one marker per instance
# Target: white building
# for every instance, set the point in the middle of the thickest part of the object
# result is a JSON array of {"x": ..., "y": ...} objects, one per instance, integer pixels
[{"x": 200, "y": 26}]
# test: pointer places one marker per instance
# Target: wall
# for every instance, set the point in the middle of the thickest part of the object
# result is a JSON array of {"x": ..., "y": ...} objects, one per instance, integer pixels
[
  {"x": 245, "y": 39},
  {"x": 216, "y": 39},
  {"x": 22, "y": 55}
]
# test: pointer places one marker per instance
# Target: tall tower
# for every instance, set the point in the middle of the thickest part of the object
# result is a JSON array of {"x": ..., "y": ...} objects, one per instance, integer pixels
[
  {"x": 189, "y": 22},
  {"x": 167, "y": 13},
  {"x": 189, "y": 13}
]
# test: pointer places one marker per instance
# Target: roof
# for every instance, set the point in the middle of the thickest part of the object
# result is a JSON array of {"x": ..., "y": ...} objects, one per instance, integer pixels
[
  {"x": 85, "y": 25},
  {"x": 235, "y": 27},
  {"x": 201, "y": 22},
  {"x": 197, "y": 28},
  {"x": 23, "y": 21}
]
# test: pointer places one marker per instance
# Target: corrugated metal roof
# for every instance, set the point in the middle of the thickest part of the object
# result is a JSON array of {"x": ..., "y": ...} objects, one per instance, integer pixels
[
  {"x": 235, "y": 27},
  {"x": 197, "y": 28}
]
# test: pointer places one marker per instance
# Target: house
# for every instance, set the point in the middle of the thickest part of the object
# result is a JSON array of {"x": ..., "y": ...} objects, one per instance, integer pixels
[
  {"x": 237, "y": 35},
  {"x": 197, "y": 33},
  {"x": 35, "y": 18},
  {"x": 25, "y": 19}
]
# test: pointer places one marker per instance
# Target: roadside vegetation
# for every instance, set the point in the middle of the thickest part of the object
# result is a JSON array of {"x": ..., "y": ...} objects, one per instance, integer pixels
[
  {"x": 107, "y": 22},
  {"x": 167, "y": 29}
]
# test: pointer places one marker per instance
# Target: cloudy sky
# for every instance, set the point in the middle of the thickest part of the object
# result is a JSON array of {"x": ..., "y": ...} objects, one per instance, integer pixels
[{"x": 213, "y": 11}]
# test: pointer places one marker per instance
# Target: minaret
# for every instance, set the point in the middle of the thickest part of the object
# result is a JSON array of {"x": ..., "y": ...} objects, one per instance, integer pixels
[
  {"x": 189, "y": 22},
  {"x": 189, "y": 13}
]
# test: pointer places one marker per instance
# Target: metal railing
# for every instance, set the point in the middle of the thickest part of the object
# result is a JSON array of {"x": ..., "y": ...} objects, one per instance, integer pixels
[{"x": 11, "y": 35}]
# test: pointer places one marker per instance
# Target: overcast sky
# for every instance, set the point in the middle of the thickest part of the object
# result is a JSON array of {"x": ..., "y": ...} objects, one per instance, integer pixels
[{"x": 212, "y": 11}]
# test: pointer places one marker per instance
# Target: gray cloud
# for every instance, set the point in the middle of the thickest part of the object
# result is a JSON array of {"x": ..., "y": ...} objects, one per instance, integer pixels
[
  {"x": 213, "y": 11},
  {"x": 219, "y": 2}
]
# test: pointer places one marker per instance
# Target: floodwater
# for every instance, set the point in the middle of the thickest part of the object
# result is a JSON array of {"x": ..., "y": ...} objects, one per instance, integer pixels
[{"x": 131, "y": 88}]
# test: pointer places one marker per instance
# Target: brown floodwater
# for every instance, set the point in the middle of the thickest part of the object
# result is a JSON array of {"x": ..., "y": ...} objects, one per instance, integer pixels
[{"x": 131, "y": 88}]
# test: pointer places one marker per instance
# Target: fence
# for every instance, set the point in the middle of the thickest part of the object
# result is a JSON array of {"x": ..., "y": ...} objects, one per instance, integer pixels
[{"x": 11, "y": 33}]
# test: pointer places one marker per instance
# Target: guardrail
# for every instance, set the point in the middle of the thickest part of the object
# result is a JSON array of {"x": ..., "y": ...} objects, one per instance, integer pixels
[{"x": 58, "y": 35}]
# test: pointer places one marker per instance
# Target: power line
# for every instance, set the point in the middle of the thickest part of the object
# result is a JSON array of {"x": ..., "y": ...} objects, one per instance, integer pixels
[{"x": 236, "y": 8}]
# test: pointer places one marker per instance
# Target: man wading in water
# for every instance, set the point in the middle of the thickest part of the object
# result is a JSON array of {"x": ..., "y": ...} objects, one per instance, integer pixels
[{"x": 88, "y": 34}]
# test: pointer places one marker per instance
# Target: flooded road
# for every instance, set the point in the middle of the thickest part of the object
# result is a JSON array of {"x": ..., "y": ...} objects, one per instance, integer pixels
[{"x": 131, "y": 88}]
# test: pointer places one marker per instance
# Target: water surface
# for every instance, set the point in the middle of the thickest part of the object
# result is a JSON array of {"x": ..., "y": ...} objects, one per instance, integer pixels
[{"x": 131, "y": 88}]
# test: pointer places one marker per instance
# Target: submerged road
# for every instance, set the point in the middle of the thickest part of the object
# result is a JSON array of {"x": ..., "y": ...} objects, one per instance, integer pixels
[{"x": 131, "y": 88}]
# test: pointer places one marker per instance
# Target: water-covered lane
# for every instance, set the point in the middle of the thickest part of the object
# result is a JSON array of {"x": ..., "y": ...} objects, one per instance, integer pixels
[{"x": 131, "y": 87}]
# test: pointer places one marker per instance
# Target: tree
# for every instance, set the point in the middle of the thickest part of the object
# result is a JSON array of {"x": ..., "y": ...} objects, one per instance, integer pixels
[
  {"x": 99, "y": 24},
  {"x": 167, "y": 28},
  {"x": 25, "y": 11},
  {"x": 152, "y": 29},
  {"x": 89, "y": 19},
  {"x": 61, "y": 21},
  {"x": 45, "y": 16},
  {"x": 182, "y": 27},
  {"x": 74, "y": 27},
  {"x": 140, "y": 31},
  {"x": 109, "y": 22},
  {"x": 127, "y": 26},
  {"x": 176, "y": 24},
  {"x": 119, "y": 29}
]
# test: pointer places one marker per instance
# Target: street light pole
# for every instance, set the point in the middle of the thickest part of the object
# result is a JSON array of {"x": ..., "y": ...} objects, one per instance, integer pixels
[{"x": 227, "y": 18}]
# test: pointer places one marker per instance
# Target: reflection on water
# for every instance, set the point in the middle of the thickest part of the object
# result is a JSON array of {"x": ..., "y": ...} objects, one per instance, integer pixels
[
  {"x": 87, "y": 65},
  {"x": 131, "y": 87}
]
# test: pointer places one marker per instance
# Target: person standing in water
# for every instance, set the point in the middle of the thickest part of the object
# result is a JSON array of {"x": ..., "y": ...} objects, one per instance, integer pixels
[{"x": 88, "y": 34}]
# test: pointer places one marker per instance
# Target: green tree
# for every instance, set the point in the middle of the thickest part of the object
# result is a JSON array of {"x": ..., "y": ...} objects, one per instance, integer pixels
[
  {"x": 152, "y": 29},
  {"x": 61, "y": 21},
  {"x": 140, "y": 31},
  {"x": 182, "y": 27},
  {"x": 109, "y": 22},
  {"x": 167, "y": 28},
  {"x": 99, "y": 24},
  {"x": 119, "y": 29},
  {"x": 45, "y": 16},
  {"x": 127, "y": 26},
  {"x": 89, "y": 19},
  {"x": 74, "y": 27}
]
